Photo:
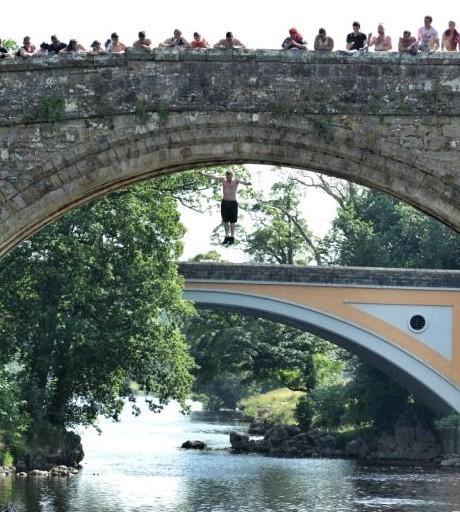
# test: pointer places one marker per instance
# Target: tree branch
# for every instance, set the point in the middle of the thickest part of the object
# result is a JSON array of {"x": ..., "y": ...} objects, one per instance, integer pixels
[{"x": 308, "y": 240}]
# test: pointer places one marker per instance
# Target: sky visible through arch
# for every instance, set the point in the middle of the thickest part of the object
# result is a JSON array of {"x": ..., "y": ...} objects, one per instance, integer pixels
[
  {"x": 317, "y": 207},
  {"x": 257, "y": 23}
]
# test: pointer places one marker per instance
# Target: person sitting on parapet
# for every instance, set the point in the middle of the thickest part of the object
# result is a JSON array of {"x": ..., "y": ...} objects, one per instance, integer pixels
[
  {"x": 43, "y": 50},
  {"x": 175, "y": 41},
  {"x": 199, "y": 42},
  {"x": 294, "y": 41},
  {"x": 381, "y": 41},
  {"x": 55, "y": 46},
  {"x": 74, "y": 47},
  {"x": 450, "y": 38},
  {"x": 229, "y": 42},
  {"x": 96, "y": 48},
  {"x": 428, "y": 37},
  {"x": 4, "y": 54},
  {"x": 323, "y": 43},
  {"x": 27, "y": 49},
  {"x": 229, "y": 204},
  {"x": 115, "y": 46},
  {"x": 356, "y": 40},
  {"x": 408, "y": 43},
  {"x": 143, "y": 43}
]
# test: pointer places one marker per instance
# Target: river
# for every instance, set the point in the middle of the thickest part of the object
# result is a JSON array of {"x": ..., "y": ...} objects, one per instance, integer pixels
[{"x": 136, "y": 466}]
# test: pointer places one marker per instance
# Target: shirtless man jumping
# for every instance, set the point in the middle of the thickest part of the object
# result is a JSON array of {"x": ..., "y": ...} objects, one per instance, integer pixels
[{"x": 229, "y": 204}]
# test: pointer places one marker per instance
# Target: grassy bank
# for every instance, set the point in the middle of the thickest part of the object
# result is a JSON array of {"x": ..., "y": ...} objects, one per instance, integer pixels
[{"x": 276, "y": 406}]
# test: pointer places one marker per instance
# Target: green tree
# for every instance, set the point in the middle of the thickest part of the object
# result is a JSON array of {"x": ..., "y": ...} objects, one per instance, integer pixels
[
  {"x": 92, "y": 303},
  {"x": 374, "y": 230},
  {"x": 263, "y": 354},
  {"x": 281, "y": 234},
  {"x": 212, "y": 256},
  {"x": 11, "y": 45},
  {"x": 14, "y": 420},
  {"x": 376, "y": 401}
]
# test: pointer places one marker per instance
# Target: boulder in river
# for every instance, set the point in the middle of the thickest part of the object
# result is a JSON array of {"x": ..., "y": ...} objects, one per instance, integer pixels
[
  {"x": 194, "y": 445},
  {"x": 240, "y": 442}
]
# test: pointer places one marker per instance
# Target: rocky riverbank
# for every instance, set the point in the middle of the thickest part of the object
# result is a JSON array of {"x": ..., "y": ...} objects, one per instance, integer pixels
[
  {"x": 49, "y": 448},
  {"x": 404, "y": 444},
  {"x": 60, "y": 471}
]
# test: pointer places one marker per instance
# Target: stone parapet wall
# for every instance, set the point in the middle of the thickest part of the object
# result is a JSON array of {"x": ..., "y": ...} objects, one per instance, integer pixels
[
  {"x": 332, "y": 276},
  {"x": 244, "y": 80}
]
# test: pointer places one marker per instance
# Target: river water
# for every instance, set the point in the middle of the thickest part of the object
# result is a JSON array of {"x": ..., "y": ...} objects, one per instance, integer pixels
[{"x": 136, "y": 466}]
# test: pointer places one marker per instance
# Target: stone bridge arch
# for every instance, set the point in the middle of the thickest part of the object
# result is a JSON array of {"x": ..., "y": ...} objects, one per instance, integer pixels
[{"x": 75, "y": 128}]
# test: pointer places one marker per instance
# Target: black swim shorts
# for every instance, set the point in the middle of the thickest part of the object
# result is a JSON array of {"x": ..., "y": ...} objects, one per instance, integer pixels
[{"x": 229, "y": 211}]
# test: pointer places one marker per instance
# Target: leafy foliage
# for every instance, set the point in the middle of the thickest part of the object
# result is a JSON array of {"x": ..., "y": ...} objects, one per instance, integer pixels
[
  {"x": 11, "y": 45},
  {"x": 373, "y": 229},
  {"x": 282, "y": 235},
  {"x": 259, "y": 351},
  {"x": 13, "y": 418},
  {"x": 93, "y": 302},
  {"x": 304, "y": 412}
]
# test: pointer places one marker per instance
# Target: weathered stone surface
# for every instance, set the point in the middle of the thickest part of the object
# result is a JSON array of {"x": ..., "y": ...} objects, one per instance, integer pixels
[
  {"x": 405, "y": 443},
  {"x": 239, "y": 441},
  {"x": 52, "y": 448},
  {"x": 75, "y": 127}
]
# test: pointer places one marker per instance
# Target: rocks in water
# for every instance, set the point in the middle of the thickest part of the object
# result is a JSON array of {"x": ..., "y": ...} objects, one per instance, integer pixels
[
  {"x": 451, "y": 461},
  {"x": 52, "y": 446},
  {"x": 194, "y": 445},
  {"x": 11, "y": 508},
  {"x": 38, "y": 473},
  {"x": 242, "y": 443},
  {"x": 239, "y": 441},
  {"x": 7, "y": 471},
  {"x": 356, "y": 449},
  {"x": 258, "y": 428},
  {"x": 413, "y": 443},
  {"x": 405, "y": 443},
  {"x": 63, "y": 471},
  {"x": 279, "y": 441},
  {"x": 408, "y": 442}
]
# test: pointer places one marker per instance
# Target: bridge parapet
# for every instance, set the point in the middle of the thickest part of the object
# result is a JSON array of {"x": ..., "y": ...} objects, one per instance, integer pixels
[
  {"x": 317, "y": 276},
  {"x": 273, "y": 81}
]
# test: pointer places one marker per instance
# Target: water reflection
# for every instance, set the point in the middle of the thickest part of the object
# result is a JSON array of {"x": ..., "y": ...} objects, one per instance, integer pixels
[{"x": 136, "y": 466}]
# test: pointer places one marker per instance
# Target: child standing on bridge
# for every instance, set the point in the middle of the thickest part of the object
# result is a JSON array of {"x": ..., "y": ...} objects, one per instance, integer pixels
[{"x": 229, "y": 204}]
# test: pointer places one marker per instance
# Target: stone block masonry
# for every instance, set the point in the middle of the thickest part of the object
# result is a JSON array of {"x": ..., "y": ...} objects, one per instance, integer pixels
[
  {"x": 73, "y": 127},
  {"x": 328, "y": 276}
]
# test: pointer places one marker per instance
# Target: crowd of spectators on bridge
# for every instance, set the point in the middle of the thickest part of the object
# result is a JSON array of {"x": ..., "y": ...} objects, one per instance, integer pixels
[{"x": 427, "y": 41}]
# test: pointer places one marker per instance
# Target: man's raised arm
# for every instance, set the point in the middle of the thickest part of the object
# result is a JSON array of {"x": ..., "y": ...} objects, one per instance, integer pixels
[
  {"x": 244, "y": 182},
  {"x": 212, "y": 176}
]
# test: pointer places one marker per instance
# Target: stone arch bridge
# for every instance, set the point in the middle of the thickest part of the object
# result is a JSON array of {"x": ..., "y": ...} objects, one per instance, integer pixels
[
  {"x": 405, "y": 322},
  {"x": 74, "y": 127}
]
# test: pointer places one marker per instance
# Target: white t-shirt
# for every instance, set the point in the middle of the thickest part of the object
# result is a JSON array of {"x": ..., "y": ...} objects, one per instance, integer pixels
[{"x": 425, "y": 35}]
